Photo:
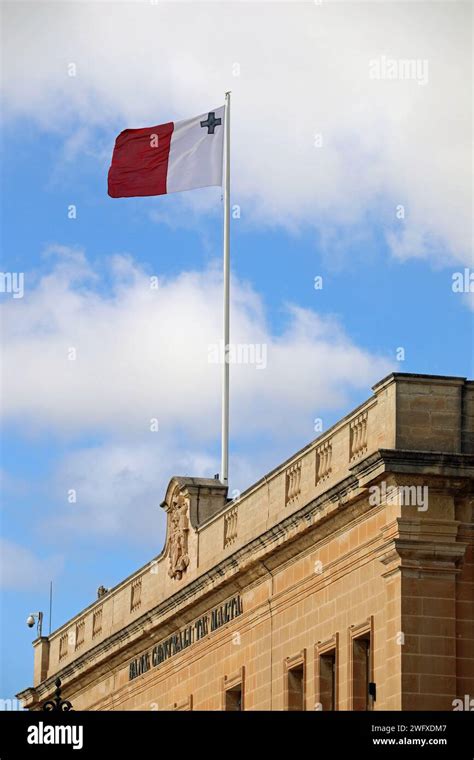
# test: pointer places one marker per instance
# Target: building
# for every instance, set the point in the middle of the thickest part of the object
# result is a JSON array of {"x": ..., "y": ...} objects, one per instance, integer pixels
[{"x": 342, "y": 580}]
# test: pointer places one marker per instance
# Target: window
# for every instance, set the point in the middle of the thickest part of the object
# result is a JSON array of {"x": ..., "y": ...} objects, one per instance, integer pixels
[
  {"x": 233, "y": 691},
  {"x": 296, "y": 688},
  {"x": 327, "y": 680},
  {"x": 186, "y": 705},
  {"x": 233, "y": 698},
  {"x": 361, "y": 657}
]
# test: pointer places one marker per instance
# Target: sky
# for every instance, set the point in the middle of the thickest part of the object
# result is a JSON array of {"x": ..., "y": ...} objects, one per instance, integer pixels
[{"x": 351, "y": 163}]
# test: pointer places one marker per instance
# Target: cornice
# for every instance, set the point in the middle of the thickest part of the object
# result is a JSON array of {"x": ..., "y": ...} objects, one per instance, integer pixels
[{"x": 274, "y": 547}]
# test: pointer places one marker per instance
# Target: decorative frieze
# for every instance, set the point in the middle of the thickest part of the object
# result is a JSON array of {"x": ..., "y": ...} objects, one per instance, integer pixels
[
  {"x": 136, "y": 595},
  {"x": 358, "y": 436},
  {"x": 323, "y": 462},
  {"x": 230, "y": 527},
  {"x": 293, "y": 483}
]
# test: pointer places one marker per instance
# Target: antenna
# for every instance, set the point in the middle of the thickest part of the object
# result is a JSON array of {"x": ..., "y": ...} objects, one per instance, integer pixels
[{"x": 50, "y": 605}]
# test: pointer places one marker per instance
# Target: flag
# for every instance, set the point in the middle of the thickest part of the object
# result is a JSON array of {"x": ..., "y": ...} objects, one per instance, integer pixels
[{"x": 168, "y": 158}]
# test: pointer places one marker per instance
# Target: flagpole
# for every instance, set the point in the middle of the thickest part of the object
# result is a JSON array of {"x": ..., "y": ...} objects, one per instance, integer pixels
[{"x": 226, "y": 320}]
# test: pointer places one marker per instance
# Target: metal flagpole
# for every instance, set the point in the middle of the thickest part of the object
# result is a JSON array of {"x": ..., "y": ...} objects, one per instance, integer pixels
[{"x": 225, "y": 371}]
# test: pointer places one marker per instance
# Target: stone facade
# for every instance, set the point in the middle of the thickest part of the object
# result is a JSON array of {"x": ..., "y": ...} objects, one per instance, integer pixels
[{"x": 343, "y": 579}]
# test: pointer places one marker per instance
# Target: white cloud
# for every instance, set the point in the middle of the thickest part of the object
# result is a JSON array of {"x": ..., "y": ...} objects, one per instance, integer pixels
[
  {"x": 117, "y": 492},
  {"x": 141, "y": 362},
  {"x": 22, "y": 570},
  {"x": 304, "y": 70},
  {"x": 119, "y": 488},
  {"x": 143, "y": 354}
]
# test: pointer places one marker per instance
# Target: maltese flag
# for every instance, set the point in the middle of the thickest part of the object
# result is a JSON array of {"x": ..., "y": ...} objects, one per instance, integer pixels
[{"x": 179, "y": 155}]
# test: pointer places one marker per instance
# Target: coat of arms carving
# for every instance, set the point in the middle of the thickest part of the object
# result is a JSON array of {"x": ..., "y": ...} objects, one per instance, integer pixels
[{"x": 178, "y": 528}]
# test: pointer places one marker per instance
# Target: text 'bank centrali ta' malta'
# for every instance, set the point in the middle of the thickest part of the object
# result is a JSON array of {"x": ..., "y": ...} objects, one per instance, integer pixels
[{"x": 342, "y": 580}]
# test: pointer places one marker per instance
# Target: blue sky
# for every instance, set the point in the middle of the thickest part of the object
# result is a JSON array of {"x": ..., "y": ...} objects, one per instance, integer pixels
[{"x": 305, "y": 211}]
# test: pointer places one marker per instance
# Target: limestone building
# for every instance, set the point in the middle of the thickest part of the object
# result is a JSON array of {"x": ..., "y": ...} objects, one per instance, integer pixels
[{"x": 342, "y": 580}]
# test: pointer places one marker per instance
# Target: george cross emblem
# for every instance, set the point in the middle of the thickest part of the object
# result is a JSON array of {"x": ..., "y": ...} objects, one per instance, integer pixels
[{"x": 211, "y": 122}]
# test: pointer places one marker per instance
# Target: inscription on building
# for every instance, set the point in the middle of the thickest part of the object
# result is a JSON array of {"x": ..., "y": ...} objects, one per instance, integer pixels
[{"x": 183, "y": 638}]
